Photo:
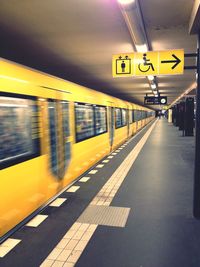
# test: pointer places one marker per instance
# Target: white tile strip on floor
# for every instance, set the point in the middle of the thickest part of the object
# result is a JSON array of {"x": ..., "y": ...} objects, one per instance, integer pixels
[
  {"x": 73, "y": 189},
  {"x": 110, "y": 157},
  {"x": 37, "y": 220},
  {"x": 84, "y": 179},
  {"x": 106, "y": 161},
  {"x": 108, "y": 191},
  {"x": 58, "y": 202},
  {"x": 100, "y": 166},
  {"x": 71, "y": 246},
  {"x": 80, "y": 233},
  {"x": 7, "y": 246},
  {"x": 93, "y": 171}
]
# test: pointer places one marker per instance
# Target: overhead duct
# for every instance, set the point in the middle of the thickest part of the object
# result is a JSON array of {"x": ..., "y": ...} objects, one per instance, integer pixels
[
  {"x": 132, "y": 14},
  {"x": 133, "y": 18}
]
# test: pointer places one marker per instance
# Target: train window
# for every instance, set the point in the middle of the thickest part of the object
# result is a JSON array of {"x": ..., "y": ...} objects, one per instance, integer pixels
[
  {"x": 133, "y": 118},
  {"x": 130, "y": 116},
  {"x": 118, "y": 118},
  {"x": 65, "y": 113},
  {"x": 100, "y": 120},
  {"x": 53, "y": 135},
  {"x": 137, "y": 115},
  {"x": 84, "y": 121},
  {"x": 19, "y": 129},
  {"x": 124, "y": 117}
]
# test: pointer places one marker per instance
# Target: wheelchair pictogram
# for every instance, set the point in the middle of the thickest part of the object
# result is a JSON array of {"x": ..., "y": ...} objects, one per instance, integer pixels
[{"x": 146, "y": 65}]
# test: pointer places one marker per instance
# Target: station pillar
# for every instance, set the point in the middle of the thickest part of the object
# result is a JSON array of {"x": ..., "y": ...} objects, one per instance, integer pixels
[
  {"x": 173, "y": 115},
  {"x": 170, "y": 115},
  {"x": 189, "y": 117},
  {"x": 196, "y": 203},
  {"x": 177, "y": 115},
  {"x": 181, "y": 115}
]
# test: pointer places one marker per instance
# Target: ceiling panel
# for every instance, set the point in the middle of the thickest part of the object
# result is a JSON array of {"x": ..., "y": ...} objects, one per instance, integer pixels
[{"x": 76, "y": 39}]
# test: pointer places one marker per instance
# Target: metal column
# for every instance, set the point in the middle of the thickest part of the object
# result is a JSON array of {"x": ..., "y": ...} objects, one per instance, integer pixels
[{"x": 196, "y": 204}]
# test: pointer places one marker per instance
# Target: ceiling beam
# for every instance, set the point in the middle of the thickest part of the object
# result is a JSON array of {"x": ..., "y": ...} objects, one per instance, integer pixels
[{"x": 194, "y": 25}]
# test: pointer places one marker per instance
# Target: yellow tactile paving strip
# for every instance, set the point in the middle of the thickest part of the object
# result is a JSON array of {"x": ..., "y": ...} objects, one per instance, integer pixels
[{"x": 70, "y": 248}]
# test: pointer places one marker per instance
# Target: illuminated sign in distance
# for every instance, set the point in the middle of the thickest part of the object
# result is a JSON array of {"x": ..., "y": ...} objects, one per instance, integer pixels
[{"x": 152, "y": 100}]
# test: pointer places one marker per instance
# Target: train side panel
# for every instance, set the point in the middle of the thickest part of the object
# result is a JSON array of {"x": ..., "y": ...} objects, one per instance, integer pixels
[{"x": 62, "y": 154}]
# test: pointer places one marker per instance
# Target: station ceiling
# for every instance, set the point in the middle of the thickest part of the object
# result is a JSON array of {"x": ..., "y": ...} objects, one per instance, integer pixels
[{"x": 75, "y": 40}]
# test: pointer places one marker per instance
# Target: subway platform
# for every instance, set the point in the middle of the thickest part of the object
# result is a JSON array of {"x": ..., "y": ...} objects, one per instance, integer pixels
[{"x": 133, "y": 209}]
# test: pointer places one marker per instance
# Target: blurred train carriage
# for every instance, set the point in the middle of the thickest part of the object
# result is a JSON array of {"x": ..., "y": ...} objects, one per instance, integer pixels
[{"x": 51, "y": 132}]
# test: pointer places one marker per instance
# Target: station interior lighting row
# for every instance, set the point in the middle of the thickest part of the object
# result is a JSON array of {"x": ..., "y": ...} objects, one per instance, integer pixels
[
  {"x": 132, "y": 15},
  {"x": 126, "y": 2},
  {"x": 184, "y": 94},
  {"x": 153, "y": 85}
]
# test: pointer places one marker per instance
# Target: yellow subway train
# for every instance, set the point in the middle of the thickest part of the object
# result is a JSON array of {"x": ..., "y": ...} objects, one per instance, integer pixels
[{"x": 51, "y": 132}]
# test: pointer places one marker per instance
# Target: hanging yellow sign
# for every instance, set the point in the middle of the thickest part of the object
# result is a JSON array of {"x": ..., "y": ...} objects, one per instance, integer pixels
[{"x": 167, "y": 62}]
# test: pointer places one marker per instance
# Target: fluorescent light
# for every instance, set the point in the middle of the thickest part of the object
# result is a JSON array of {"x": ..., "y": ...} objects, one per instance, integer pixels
[
  {"x": 126, "y": 2},
  {"x": 192, "y": 87},
  {"x": 150, "y": 77},
  {"x": 153, "y": 86},
  {"x": 141, "y": 48},
  {"x": 156, "y": 95}
]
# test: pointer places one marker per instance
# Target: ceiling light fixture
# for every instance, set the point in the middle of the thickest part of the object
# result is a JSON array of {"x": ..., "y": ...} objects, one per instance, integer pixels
[
  {"x": 126, "y": 2},
  {"x": 150, "y": 77},
  {"x": 192, "y": 87},
  {"x": 132, "y": 14},
  {"x": 134, "y": 21},
  {"x": 153, "y": 86},
  {"x": 141, "y": 48}
]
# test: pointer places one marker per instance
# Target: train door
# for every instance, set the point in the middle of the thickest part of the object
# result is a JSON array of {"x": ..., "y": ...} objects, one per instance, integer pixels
[
  {"x": 111, "y": 120},
  {"x": 128, "y": 122},
  {"x": 65, "y": 138},
  {"x": 60, "y": 148}
]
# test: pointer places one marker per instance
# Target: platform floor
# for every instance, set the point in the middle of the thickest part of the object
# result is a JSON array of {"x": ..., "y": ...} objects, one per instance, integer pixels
[{"x": 149, "y": 184}]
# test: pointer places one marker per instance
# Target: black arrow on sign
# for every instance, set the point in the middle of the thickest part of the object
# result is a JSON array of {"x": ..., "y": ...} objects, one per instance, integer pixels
[{"x": 176, "y": 61}]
